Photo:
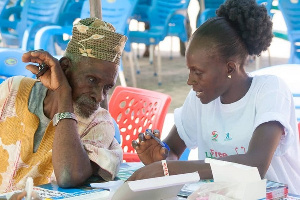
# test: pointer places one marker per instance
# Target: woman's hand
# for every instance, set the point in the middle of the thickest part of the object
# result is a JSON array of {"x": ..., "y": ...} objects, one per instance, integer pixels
[
  {"x": 148, "y": 171},
  {"x": 54, "y": 77},
  {"x": 148, "y": 149}
]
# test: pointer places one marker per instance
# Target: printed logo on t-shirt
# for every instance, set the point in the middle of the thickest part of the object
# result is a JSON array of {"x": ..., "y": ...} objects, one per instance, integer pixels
[
  {"x": 227, "y": 138},
  {"x": 215, "y": 154},
  {"x": 215, "y": 136},
  {"x": 240, "y": 150}
]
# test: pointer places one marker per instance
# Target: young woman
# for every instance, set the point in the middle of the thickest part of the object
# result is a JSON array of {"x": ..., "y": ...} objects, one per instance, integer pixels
[{"x": 229, "y": 115}]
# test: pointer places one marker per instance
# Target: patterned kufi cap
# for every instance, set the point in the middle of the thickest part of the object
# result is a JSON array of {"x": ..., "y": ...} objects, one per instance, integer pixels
[{"x": 95, "y": 38}]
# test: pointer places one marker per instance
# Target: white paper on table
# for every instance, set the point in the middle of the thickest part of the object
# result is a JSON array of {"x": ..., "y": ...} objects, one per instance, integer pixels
[
  {"x": 165, "y": 187},
  {"x": 232, "y": 180},
  {"x": 224, "y": 171},
  {"x": 111, "y": 185}
]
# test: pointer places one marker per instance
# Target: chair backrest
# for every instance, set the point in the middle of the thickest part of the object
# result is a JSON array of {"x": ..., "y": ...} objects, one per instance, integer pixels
[
  {"x": 70, "y": 12},
  {"x": 290, "y": 10},
  {"x": 116, "y": 12},
  {"x": 160, "y": 10},
  {"x": 136, "y": 110},
  {"x": 11, "y": 63},
  {"x": 179, "y": 22},
  {"x": 42, "y": 12},
  {"x": 140, "y": 12},
  {"x": 212, "y": 5}
]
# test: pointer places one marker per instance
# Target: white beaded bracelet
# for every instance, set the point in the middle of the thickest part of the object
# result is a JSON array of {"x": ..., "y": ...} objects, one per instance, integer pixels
[{"x": 165, "y": 167}]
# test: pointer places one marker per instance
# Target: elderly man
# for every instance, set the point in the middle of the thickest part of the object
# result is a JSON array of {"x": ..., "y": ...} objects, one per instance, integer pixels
[{"x": 56, "y": 124}]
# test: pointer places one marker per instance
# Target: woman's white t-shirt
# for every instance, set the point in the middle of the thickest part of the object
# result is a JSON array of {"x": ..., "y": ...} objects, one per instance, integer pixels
[{"x": 220, "y": 130}]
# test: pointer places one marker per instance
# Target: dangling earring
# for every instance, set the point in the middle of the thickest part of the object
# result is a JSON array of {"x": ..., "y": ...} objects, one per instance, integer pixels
[{"x": 229, "y": 76}]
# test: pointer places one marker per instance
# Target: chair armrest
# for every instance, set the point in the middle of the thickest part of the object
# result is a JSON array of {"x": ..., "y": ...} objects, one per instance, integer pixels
[
  {"x": 43, "y": 35},
  {"x": 30, "y": 32}
]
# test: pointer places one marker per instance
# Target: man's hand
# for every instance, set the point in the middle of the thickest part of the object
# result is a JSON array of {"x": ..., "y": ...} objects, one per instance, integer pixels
[{"x": 54, "y": 77}]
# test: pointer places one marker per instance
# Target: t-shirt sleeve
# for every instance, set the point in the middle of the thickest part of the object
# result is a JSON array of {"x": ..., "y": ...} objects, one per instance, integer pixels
[
  {"x": 185, "y": 119},
  {"x": 275, "y": 103},
  {"x": 102, "y": 148}
]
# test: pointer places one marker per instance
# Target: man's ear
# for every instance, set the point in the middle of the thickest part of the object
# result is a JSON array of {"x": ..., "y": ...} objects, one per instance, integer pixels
[{"x": 65, "y": 63}]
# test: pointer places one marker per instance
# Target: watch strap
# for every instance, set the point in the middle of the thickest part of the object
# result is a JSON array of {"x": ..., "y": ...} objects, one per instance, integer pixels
[{"x": 64, "y": 115}]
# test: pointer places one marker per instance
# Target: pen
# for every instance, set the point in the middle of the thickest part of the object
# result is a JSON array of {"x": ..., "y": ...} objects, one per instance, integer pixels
[{"x": 163, "y": 144}]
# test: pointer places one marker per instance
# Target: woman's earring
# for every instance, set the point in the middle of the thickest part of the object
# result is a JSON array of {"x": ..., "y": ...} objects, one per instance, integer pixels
[{"x": 229, "y": 76}]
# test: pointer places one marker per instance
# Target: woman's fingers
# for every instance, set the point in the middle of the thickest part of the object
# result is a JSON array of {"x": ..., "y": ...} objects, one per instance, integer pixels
[{"x": 135, "y": 144}]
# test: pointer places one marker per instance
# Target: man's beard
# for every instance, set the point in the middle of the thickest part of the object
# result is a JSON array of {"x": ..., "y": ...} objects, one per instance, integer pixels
[{"x": 85, "y": 107}]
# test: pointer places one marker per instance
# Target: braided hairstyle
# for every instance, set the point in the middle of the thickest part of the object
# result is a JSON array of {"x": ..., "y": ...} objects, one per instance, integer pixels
[{"x": 241, "y": 28}]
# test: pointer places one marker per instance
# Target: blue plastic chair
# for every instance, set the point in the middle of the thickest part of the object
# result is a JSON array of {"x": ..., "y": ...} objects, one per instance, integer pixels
[
  {"x": 209, "y": 11},
  {"x": 160, "y": 14},
  {"x": 179, "y": 24},
  {"x": 141, "y": 9},
  {"x": 291, "y": 15},
  {"x": 9, "y": 10},
  {"x": 34, "y": 15},
  {"x": 212, "y": 5},
  {"x": 185, "y": 155},
  {"x": 11, "y": 64},
  {"x": 117, "y": 131}
]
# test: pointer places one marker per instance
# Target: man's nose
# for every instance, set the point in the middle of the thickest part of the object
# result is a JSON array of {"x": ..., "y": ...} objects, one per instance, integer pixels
[{"x": 98, "y": 94}]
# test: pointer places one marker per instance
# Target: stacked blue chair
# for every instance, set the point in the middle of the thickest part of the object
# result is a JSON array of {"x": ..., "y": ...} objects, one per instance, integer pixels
[
  {"x": 209, "y": 11},
  {"x": 9, "y": 11},
  {"x": 290, "y": 10},
  {"x": 34, "y": 15},
  {"x": 141, "y": 9},
  {"x": 11, "y": 64},
  {"x": 160, "y": 14},
  {"x": 179, "y": 25},
  {"x": 212, "y": 5},
  {"x": 115, "y": 12}
]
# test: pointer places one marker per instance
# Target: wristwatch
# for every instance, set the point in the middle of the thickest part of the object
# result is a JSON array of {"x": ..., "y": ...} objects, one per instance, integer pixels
[{"x": 65, "y": 115}]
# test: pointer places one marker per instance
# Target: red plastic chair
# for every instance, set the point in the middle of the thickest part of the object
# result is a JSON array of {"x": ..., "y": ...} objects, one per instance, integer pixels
[{"x": 136, "y": 110}]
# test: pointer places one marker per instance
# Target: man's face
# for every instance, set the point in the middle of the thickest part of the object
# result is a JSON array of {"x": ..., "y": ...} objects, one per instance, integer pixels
[{"x": 90, "y": 81}]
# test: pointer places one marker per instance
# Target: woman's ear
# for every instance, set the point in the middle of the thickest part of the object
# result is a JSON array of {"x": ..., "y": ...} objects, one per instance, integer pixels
[
  {"x": 65, "y": 63},
  {"x": 231, "y": 67}
]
